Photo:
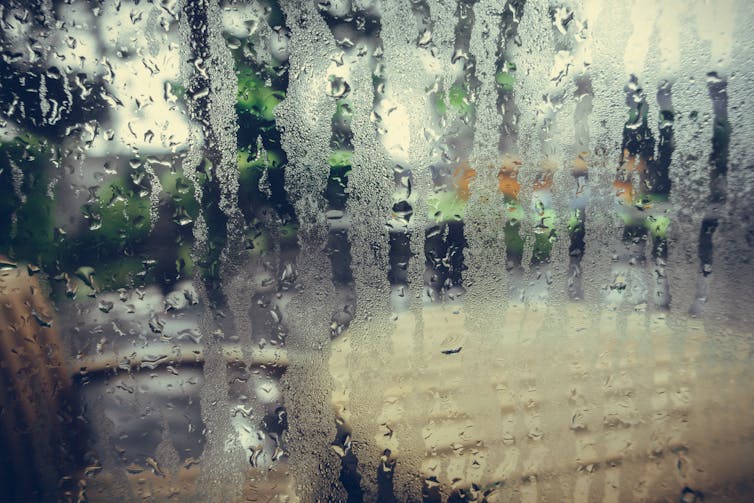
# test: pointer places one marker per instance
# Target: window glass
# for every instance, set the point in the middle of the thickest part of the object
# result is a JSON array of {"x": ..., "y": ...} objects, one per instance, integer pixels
[{"x": 371, "y": 250}]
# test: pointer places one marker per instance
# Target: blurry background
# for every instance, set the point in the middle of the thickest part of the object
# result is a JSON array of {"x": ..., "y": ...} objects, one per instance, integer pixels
[{"x": 423, "y": 250}]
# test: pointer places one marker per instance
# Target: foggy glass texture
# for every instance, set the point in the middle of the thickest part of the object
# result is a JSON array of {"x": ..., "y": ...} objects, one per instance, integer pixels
[{"x": 377, "y": 250}]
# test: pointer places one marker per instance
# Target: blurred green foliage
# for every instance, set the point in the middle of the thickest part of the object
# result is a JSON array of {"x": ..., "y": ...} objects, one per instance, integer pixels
[
  {"x": 26, "y": 209},
  {"x": 506, "y": 78},
  {"x": 255, "y": 97}
]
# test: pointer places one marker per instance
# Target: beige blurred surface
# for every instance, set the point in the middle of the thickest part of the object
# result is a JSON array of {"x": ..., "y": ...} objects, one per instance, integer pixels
[
  {"x": 545, "y": 404},
  {"x": 538, "y": 405}
]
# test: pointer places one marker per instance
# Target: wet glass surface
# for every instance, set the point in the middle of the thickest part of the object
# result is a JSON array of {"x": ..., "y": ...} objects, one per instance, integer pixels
[{"x": 364, "y": 250}]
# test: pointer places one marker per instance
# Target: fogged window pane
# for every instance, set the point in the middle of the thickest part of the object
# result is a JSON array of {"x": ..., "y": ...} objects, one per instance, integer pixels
[{"x": 369, "y": 250}]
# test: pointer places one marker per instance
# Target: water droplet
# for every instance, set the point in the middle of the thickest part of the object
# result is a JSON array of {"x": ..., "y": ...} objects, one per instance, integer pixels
[
  {"x": 156, "y": 325},
  {"x": 43, "y": 321},
  {"x": 337, "y": 87},
  {"x": 105, "y": 306},
  {"x": 6, "y": 265}
]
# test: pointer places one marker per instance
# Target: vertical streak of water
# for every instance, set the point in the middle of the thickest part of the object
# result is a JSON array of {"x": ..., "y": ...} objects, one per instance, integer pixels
[
  {"x": 193, "y": 157},
  {"x": 304, "y": 120},
  {"x": 735, "y": 237},
  {"x": 447, "y": 59},
  {"x": 546, "y": 132},
  {"x": 534, "y": 60},
  {"x": 368, "y": 206},
  {"x": 212, "y": 99},
  {"x": 484, "y": 218},
  {"x": 729, "y": 315},
  {"x": 406, "y": 83},
  {"x": 443, "y": 35},
  {"x": 487, "y": 281},
  {"x": 689, "y": 172},
  {"x": 608, "y": 36},
  {"x": 222, "y": 127}
]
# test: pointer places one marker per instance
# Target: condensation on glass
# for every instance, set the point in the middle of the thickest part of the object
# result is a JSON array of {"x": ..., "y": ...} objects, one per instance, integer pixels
[{"x": 420, "y": 250}]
